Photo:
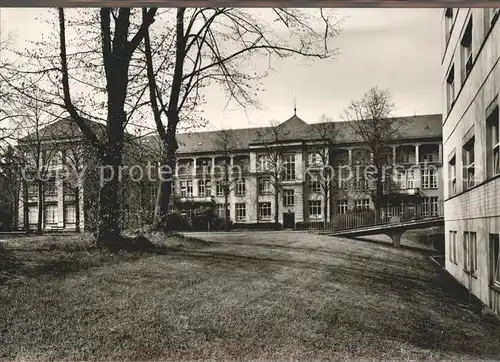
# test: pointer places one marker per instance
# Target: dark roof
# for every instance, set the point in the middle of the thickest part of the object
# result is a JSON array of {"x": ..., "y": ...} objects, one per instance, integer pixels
[
  {"x": 64, "y": 128},
  {"x": 423, "y": 126}
]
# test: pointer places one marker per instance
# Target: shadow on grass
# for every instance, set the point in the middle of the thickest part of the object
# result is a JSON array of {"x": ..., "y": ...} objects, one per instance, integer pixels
[{"x": 9, "y": 264}]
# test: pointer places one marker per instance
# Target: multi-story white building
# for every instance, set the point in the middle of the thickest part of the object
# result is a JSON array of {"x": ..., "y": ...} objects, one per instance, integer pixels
[
  {"x": 471, "y": 134},
  {"x": 301, "y": 199},
  {"x": 252, "y": 197}
]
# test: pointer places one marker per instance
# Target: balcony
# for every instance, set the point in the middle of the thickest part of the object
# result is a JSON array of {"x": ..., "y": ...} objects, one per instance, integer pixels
[{"x": 194, "y": 199}]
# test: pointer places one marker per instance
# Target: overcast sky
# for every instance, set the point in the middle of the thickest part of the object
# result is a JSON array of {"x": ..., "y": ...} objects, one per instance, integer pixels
[{"x": 397, "y": 49}]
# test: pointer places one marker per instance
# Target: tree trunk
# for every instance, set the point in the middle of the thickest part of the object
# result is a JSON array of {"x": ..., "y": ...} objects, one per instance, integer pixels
[
  {"x": 25, "y": 207},
  {"x": 276, "y": 202},
  {"x": 166, "y": 175},
  {"x": 40, "y": 208},
  {"x": 108, "y": 229},
  {"x": 77, "y": 208},
  {"x": 226, "y": 196}
]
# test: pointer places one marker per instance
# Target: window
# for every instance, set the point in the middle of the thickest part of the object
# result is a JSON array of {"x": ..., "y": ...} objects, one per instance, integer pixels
[
  {"x": 204, "y": 188},
  {"x": 470, "y": 252},
  {"x": 315, "y": 208},
  {"x": 265, "y": 210},
  {"x": 450, "y": 87},
  {"x": 495, "y": 260},
  {"x": 219, "y": 188},
  {"x": 186, "y": 188},
  {"x": 69, "y": 214},
  {"x": 314, "y": 186},
  {"x": 493, "y": 139},
  {"x": 466, "y": 51},
  {"x": 428, "y": 157},
  {"x": 32, "y": 214},
  {"x": 344, "y": 177},
  {"x": 314, "y": 159},
  {"x": 289, "y": 163},
  {"x": 468, "y": 157},
  {"x": 264, "y": 186},
  {"x": 289, "y": 198},
  {"x": 220, "y": 211},
  {"x": 50, "y": 214},
  {"x": 409, "y": 179},
  {"x": 448, "y": 23},
  {"x": 53, "y": 159},
  {"x": 32, "y": 189},
  {"x": 50, "y": 188},
  {"x": 240, "y": 187},
  {"x": 363, "y": 204},
  {"x": 429, "y": 178},
  {"x": 452, "y": 174},
  {"x": 241, "y": 213},
  {"x": 452, "y": 247},
  {"x": 342, "y": 207},
  {"x": 263, "y": 163},
  {"x": 434, "y": 206}
]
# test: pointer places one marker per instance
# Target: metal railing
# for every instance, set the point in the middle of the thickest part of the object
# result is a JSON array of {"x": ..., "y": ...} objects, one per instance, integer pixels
[{"x": 359, "y": 218}]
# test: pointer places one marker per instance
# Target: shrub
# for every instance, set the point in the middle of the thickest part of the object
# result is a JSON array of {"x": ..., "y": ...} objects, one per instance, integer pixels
[{"x": 258, "y": 226}]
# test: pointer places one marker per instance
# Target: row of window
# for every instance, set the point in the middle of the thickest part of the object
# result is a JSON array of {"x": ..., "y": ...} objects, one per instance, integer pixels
[
  {"x": 466, "y": 50},
  {"x": 50, "y": 214},
  {"x": 205, "y": 188},
  {"x": 492, "y": 148},
  {"x": 470, "y": 254}
]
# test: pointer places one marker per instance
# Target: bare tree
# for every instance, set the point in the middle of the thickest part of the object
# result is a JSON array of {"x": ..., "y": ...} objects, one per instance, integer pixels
[
  {"x": 272, "y": 167},
  {"x": 226, "y": 146},
  {"x": 371, "y": 119},
  {"x": 209, "y": 45},
  {"x": 326, "y": 134},
  {"x": 38, "y": 150}
]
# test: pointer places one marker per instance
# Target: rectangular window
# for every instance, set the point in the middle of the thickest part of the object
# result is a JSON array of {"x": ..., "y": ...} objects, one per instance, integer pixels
[
  {"x": 219, "y": 188},
  {"x": 363, "y": 204},
  {"x": 470, "y": 252},
  {"x": 429, "y": 178},
  {"x": 452, "y": 174},
  {"x": 32, "y": 214},
  {"x": 204, "y": 188},
  {"x": 50, "y": 214},
  {"x": 315, "y": 209},
  {"x": 425, "y": 206},
  {"x": 314, "y": 159},
  {"x": 314, "y": 186},
  {"x": 428, "y": 157},
  {"x": 342, "y": 207},
  {"x": 49, "y": 188},
  {"x": 69, "y": 214},
  {"x": 263, "y": 163},
  {"x": 289, "y": 198},
  {"x": 450, "y": 87},
  {"x": 493, "y": 139},
  {"x": 466, "y": 51},
  {"x": 452, "y": 247},
  {"x": 409, "y": 179},
  {"x": 265, "y": 210},
  {"x": 495, "y": 260},
  {"x": 241, "y": 187},
  {"x": 186, "y": 188},
  {"x": 220, "y": 211},
  {"x": 468, "y": 162},
  {"x": 241, "y": 212},
  {"x": 434, "y": 205},
  {"x": 289, "y": 167},
  {"x": 264, "y": 186}
]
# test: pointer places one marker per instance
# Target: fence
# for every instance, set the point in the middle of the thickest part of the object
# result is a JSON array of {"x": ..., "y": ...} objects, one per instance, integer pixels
[{"x": 368, "y": 217}]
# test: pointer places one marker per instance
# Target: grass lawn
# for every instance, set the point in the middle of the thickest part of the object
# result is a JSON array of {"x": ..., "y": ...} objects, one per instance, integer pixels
[{"x": 255, "y": 295}]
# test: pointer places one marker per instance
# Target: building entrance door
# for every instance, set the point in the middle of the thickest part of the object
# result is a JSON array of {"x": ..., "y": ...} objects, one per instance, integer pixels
[{"x": 288, "y": 220}]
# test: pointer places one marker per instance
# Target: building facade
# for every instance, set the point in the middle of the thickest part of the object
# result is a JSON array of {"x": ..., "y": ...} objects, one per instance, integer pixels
[
  {"x": 301, "y": 198},
  {"x": 272, "y": 170},
  {"x": 471, "y": 133}
]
